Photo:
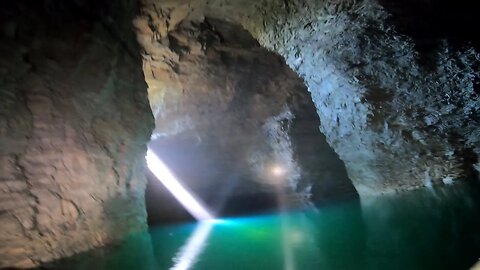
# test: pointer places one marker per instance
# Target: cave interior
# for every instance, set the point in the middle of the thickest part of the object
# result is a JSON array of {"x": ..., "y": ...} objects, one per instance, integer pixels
[{"x": 241, "y": 134}]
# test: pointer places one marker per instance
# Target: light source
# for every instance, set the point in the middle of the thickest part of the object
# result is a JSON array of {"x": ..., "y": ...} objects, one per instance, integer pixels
[{"x": 277, "y": 170}]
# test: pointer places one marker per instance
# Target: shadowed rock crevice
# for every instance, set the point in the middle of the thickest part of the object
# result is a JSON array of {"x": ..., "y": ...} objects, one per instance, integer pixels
[{"x": 429, "y": 22}]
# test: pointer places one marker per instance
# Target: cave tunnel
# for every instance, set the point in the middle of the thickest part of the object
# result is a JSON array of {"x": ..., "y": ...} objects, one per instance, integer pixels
[
  {"x": 257, "y": 115},
  {"x": 239, "y": 134}
]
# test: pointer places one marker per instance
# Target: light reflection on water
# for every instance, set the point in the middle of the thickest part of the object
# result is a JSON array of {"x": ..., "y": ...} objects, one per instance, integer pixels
[{"x": 421, "y": 229}]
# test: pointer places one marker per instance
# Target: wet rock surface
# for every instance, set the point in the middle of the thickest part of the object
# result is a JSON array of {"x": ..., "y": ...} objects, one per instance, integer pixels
[
  {"x": 396, "y": 124},
  {"x": 74, "y": 121}
]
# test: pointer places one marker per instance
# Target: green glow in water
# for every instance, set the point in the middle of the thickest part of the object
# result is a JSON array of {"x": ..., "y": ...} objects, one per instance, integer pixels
[{"x": 422, "y": 229}]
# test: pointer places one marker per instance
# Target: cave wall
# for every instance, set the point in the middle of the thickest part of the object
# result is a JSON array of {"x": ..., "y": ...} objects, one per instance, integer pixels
[
  {"x": 74, "y": 121},
  {"x": 399, "y": 117},
  {"x": 395, "y": 122}
]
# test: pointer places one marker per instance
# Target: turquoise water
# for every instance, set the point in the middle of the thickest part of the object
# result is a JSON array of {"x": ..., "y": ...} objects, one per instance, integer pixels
[{"x": 424, "y": 229}]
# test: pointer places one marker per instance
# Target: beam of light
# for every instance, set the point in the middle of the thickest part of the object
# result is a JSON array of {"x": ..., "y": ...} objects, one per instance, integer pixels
[
  {"x": 188, "y": 254},
  {"x": 287, "y": 250},
  {"x": 476, "y": 266},
  {"x": 164, "y": 175},
  {"x": 289, "y": 260}
]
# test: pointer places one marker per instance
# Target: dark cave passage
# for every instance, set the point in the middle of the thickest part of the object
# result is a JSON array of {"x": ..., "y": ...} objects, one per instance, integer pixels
[{"x": 430, "y": 22}]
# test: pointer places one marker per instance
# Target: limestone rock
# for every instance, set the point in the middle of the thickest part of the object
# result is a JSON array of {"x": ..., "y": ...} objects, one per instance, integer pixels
[{"x": 72, "y": 95}]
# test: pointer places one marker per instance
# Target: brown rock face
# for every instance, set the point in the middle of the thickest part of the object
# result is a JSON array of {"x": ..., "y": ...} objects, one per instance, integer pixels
[{"x": 74, "y": 121}]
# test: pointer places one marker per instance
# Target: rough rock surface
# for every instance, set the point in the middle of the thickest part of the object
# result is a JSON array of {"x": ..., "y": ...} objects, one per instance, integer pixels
[
  {"x": 74, "y": 121},
  {"x": 227, "y": 111},
  {"x": 396, "y": 122}
]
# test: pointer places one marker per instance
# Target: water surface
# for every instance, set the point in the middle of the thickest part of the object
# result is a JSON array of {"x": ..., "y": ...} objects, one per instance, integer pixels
[{"x": 423, "y": 229}]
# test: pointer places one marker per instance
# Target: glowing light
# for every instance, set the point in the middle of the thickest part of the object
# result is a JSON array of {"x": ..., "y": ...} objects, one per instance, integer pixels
[
  {"x": 187, "y": 199},
  {"x": 276, "y": 174},
  {"x": 277, "y": 170},
  {"x": 188, "y": 254},
  {"x": 289, "y": 259}
]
